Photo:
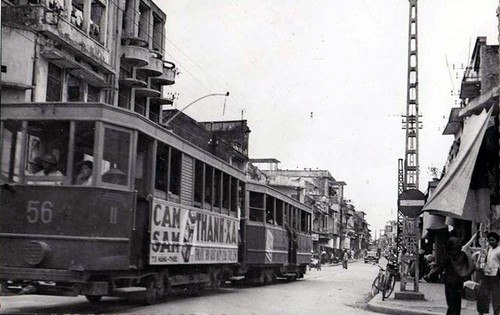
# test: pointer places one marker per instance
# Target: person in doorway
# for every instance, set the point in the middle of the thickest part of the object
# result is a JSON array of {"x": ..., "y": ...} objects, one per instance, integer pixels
[
  {"x": 84, "y": 176},
  {"x": 458, "y": 266},
  {"x": 489, "y": 290}
]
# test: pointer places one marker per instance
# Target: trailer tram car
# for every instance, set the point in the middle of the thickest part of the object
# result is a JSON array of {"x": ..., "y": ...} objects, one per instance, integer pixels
[
  {"x": 156, "y": 214},
  {"x": 277, "y": 234}
]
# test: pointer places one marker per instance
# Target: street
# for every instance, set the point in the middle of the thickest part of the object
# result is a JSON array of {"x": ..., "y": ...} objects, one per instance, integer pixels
[{"x": 332, "y": 290}]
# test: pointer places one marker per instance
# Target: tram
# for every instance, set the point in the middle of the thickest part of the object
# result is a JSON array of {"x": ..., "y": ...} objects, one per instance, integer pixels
[{"x": 100, "y": 201}]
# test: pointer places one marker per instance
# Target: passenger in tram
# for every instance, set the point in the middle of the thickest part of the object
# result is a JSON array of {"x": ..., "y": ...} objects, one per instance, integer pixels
[
  {"x": 84, "y": 177},
  {"x": 48, "y": 163}
]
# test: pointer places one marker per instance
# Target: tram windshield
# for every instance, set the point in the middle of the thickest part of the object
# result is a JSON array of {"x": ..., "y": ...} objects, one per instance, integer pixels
[{"x": 62, "y": 153}]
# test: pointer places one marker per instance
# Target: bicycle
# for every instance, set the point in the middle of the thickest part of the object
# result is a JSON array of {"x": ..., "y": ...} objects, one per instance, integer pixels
[{"x": 385, "y": 281}]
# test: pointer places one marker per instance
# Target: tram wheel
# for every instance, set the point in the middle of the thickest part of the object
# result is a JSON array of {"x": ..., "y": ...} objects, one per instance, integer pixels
[
  {"x": 93, "y": 298},
  {"x": 152, "y": 293}
]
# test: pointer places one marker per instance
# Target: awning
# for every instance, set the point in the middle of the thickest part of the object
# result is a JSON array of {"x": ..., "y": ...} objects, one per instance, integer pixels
[{"x": 452, "y": 196}]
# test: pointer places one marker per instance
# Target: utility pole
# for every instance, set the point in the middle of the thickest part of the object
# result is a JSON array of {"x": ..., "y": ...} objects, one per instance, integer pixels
[
  {"x": 411, "y": 122},
  {"x": 408, "y": 226}
]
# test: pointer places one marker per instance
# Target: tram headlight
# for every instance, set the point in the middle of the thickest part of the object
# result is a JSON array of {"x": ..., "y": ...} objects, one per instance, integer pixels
[{"x": 35, "y": 252}]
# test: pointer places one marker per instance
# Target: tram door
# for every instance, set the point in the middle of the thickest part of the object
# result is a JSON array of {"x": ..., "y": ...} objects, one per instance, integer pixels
[
  {"x": 143, "y": 185},
  {"x": 292, "y": 235}
]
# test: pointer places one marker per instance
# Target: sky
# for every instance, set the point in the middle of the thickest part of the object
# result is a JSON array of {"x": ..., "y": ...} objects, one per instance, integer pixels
[{"x": 322, "y": 83}]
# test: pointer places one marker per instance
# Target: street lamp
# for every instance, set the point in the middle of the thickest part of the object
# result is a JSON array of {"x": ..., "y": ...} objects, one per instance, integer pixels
[{"x": 167, "y": 124}]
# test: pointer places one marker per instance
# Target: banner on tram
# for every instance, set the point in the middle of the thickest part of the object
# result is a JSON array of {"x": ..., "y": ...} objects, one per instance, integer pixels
[{"x": 182, "y": 235}]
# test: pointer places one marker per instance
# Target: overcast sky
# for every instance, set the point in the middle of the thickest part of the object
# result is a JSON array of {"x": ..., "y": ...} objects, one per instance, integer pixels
[{"x": 323, "y": 83}]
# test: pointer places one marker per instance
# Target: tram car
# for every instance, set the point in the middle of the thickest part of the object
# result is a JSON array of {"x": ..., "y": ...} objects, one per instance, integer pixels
[{"x": 100, "y": 201}]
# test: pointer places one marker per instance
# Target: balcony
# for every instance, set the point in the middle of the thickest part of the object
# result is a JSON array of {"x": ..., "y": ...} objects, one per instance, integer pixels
[
  {"x": 155, "y": 66},
  {"x": 471, "y": 84},
  {"x": 134, "y": 52},
  {"x": 161, "y": 101},
  {"x": 168, "y": 74},
  {"x": 132, "y": 83},
  {"x": 147, "y": 92},
  {"x": 455, "y": 123},
  {"x": 53, "y": 24}
]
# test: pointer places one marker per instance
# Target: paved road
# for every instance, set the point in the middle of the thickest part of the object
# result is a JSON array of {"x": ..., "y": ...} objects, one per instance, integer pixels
[{"x": 332, "y": 290}]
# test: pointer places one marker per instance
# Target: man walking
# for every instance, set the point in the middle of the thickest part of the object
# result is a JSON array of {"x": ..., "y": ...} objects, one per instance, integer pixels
[
  {"x": 490, "y": 282},
  {"x": 345, "y": 259}
]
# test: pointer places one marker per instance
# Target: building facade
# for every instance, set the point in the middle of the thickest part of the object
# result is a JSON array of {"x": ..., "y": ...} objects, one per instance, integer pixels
[
  {"x": 472, "y": 166},
  {"x": 94, "y": 51}
]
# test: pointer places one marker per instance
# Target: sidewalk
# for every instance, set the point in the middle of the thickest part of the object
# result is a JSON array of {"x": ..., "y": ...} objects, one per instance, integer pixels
[{"x": 434, "y": 303}]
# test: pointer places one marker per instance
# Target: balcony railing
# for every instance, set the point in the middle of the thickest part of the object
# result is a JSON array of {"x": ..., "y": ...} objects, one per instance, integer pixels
[
  {"x": 52, "y": 22},
  {"x": 471, "y": 84}
]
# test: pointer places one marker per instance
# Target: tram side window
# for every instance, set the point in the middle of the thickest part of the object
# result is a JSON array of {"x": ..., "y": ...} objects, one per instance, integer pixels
[
  {"x": 116, "y": 156},
  {"x": 11, "y": 151},
  {"x": 142, "y": 165},
  {"x": 256, "y": 207},
  {"x": 241, "y": 199},
  {"x": 47, "y": 152},
  {"x": 199, "y": 172},
  {"x": 303, "y": 221},
  {"x": 161, "y": 173},
  {"x": 270, "y": 209},
  {"x": 279, "y": 212},
  {"x": 217, "y": 190},
  {"x": 208, "y": 187},
  {"x": 234, "y": 197},
  {"x": 175, "y": 172},
  {"x": 294, "y": 218},
  {"x": 286, "y": 222},
  {"x": 83, "y": 156},
  {"x": 226, "y": 193}
]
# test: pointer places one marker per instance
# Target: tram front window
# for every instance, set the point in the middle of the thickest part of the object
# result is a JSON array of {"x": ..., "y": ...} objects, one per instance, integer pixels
[
  {"x": 47, "y": 152},
  {"x": 83, "y": 156},
  {"x": 116, "y": 155}
]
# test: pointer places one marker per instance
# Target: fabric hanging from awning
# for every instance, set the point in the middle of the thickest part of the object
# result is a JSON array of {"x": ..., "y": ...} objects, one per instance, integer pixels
[{"x": 452, "y": 196}]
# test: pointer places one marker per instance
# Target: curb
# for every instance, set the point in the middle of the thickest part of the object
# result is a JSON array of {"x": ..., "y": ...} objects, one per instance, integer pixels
[{"x": 377, "y": 305}]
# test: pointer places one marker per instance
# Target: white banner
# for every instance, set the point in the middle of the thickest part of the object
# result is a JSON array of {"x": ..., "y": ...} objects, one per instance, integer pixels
[{"x": 180, "y": 235}]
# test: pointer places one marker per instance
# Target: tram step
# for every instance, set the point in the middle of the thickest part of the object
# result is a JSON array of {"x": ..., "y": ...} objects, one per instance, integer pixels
[
  {"x": 288, "y": 274},
  {"x": 128, "y": 290},
  {"x": 237, "y": 278}
]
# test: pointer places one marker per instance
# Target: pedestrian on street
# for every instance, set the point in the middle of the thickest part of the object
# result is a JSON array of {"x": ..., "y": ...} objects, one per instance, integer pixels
[
  {"x": 458, "y": 266},
  {"x": 345, "y": 259},
  {"x": 489, "y": 290}
]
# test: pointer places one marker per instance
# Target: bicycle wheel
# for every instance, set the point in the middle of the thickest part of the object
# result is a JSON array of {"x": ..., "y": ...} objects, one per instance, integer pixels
[
  {"x": 391, "y": 282},
  {"x": 375, "y": 288}
]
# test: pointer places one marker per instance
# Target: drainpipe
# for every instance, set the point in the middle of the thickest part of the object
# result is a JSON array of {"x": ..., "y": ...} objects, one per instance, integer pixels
[{"x": 33, "y": 74}]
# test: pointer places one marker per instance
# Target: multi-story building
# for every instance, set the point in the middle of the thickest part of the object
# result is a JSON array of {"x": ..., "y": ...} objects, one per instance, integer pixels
[
  {"x": 469, "y": 189},
  {"x": 90, "y": 51},
  {"x": 362, "y": 236}
]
